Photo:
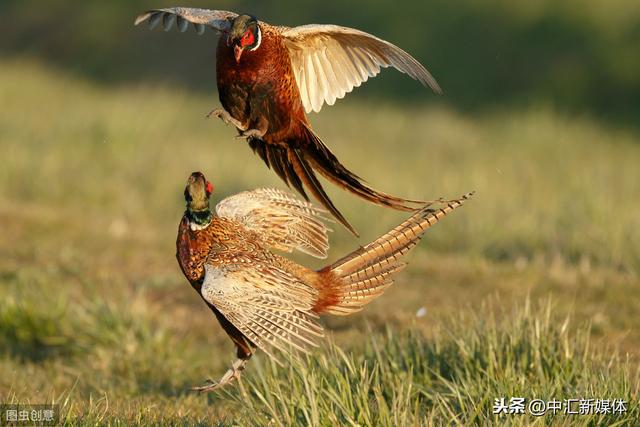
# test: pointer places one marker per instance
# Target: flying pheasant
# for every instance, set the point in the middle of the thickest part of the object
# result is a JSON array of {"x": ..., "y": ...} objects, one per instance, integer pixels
[
  {"x": 263, "y": 300},
  {"x": 269, "y": 77}
]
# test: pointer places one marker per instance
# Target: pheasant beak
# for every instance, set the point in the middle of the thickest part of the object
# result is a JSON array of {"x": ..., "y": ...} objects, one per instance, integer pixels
[{"x": 237, "y": 51}]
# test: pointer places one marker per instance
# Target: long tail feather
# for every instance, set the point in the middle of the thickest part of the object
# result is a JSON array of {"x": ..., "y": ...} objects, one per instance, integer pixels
[
  {"x": 325, "y": 162},
  {"x": 305, "y": 172},
  {"x": 277, "y": 158},
  {"x": 355, "y": 280}
]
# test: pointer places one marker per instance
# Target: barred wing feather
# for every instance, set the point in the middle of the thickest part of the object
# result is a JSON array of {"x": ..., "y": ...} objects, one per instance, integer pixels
[
  {"x": 269, "y": 306},
  {"x": 283, "y": 221}
]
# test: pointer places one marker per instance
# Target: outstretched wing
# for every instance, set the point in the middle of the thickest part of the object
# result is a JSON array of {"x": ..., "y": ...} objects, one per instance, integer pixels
[
  {"x": 329, "y": 61},
  {"x": 269, "y": 306},
  {"x": 219, "y": 20},
  {"x": 283, "y": 221}
]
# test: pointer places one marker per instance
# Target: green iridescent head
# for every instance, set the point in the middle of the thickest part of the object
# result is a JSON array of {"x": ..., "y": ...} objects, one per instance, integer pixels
[{"x": 197, "y": 194}]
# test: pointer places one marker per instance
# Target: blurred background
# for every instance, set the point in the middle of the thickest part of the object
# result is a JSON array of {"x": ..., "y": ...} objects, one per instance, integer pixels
[
  {"x": 578, "y": 56},
  {"x": 102, "y": 122}
]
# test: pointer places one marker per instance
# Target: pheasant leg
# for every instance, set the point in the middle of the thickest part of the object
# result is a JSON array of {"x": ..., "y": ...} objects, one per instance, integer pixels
[
  {"x": 224, "y": 115},
  {"x": 233, "y": 373}
]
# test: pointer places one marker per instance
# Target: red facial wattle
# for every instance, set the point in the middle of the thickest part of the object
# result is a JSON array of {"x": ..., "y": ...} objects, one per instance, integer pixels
[
  {"x": 209, "y": 187},
  {"x": 247, "y": 39}
]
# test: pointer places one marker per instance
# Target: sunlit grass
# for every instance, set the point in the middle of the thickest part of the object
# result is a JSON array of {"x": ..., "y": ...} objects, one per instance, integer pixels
[{"x": 400, "y": 378}]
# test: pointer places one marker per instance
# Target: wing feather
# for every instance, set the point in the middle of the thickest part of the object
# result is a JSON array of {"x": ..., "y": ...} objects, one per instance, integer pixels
[
  {"x": 183, "y": 24},
  {"x": 271, "y": 307},
  {"x": 167, "y": 21},
  {"x": 332, "y": 87},
  {"x": 219, "y": 20},
  {"x": 329, "y": 61},
  {"x": 322, "y": 78},
  {"x": 343, "y": 62},
  {"x": 336, "y": 91},
  {"x": 281, "y": 220},
  {"x": 154, "y": 20}
]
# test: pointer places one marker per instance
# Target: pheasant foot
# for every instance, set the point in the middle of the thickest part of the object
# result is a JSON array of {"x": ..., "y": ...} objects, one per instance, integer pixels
[
  {"x": 224, "y": 115},
  {"x": 233, "y": 373}
]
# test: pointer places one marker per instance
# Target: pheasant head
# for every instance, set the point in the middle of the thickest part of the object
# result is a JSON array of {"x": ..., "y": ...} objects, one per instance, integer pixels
[
  {"x": 244, "y": 35},
  {"x": 197, "y": 194}
]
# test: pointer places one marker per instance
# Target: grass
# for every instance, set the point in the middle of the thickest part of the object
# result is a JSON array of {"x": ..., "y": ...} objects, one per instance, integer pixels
[
  {"x": 95, "y": 315},
  {"x": 400, "y": 378}
]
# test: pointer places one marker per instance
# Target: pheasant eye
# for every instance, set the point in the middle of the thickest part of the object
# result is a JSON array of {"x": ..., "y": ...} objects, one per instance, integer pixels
[{"x": 209, "y": 187}]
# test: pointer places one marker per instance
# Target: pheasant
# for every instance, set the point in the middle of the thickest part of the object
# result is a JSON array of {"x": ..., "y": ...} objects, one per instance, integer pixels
[
  {"x": 263, "y": 300},
  {"x": 269, "y": 77}
]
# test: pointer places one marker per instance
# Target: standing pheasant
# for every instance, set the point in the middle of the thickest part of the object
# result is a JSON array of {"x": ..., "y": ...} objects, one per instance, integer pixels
[
  {"x": 269, "y": 77},
  {"x": 263, "y": 300}
]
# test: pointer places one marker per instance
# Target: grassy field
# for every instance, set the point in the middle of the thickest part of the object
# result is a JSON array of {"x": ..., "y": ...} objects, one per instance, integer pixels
[{"x": 531, "y": 289}]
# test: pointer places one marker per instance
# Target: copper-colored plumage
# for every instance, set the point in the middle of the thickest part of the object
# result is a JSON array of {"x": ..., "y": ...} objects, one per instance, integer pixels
[
  {"x": 264, "y": 300},
  {"x": 270, "y": 76}
]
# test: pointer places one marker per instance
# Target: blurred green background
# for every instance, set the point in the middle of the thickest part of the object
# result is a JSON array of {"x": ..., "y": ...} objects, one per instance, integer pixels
[{"x": 581, "y": 56}]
